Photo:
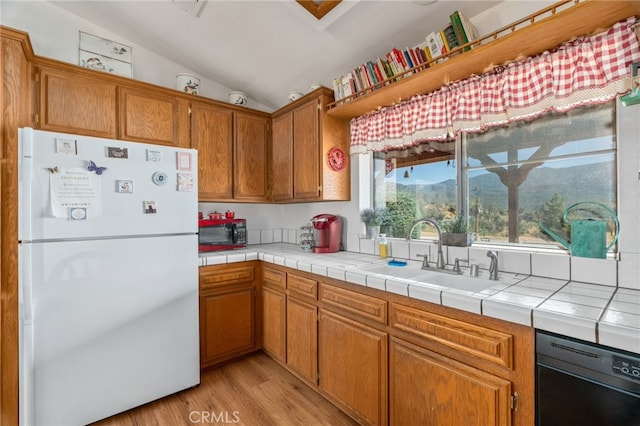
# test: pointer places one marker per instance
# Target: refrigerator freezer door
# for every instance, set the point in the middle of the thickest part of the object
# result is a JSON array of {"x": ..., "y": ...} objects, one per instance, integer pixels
[
  {"x": 115, "y": 325},
  {"x": 85, "y": 187}
]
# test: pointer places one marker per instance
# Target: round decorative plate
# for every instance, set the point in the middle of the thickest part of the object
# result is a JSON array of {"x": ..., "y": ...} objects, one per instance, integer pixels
[{"x": 336, "y": 159}]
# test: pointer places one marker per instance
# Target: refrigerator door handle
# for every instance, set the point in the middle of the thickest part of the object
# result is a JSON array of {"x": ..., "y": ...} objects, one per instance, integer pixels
[
  {"x": 25, "y": 180},
  {"x": 25, "y": 280}
]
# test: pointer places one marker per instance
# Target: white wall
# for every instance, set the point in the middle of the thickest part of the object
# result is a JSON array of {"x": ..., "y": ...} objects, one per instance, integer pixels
[{"x": 54, "y": 33}]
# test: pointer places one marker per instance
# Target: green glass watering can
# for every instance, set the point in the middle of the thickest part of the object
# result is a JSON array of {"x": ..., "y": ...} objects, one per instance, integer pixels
[{"x": 588, "y": 236}]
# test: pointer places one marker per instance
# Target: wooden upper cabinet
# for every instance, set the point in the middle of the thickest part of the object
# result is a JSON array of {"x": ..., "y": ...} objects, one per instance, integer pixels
[
  {"x": 251, "y": 157},
  {"x": 76, "y": 103},
  {"x": 306, "y": 144},
  {"x": 306, "y": 151},
  {"x": 150, "y": 117},
  {"x": 282, "y": 158},
  {"x": 212, "y": 136}
]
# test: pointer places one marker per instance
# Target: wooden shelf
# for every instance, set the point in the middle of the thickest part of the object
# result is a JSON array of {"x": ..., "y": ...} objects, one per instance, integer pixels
[{"x": 584, "y": 18}]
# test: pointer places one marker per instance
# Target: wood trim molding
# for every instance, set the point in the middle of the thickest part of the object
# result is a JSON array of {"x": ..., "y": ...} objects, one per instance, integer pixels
[{"x": 319, "y": 8}]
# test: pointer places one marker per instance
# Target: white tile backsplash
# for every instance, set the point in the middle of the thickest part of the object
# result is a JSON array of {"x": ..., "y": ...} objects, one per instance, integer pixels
[
  {"x": 367, "y": 246},
  {"x": 400, "y": 249},
  {"x": 353, "y": 243},
  {"x": 515, "y": 261},
  {"x": 253, "y": 236},
  {"x": 629, "y": 270},
  {"x": 416, "y": 248},
  {"x": 596, "y": 271},
  {"x": 551, "y": 265},
  {"x": 451, "y": 253},
  {"x": 266, "y": 236},
  {"x": 478, "y": 256},
  {"x": 610, "y": 272}
]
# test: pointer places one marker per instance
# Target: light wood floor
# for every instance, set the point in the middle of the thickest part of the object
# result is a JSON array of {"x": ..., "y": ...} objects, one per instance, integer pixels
[{"x": 253, "y": 391}]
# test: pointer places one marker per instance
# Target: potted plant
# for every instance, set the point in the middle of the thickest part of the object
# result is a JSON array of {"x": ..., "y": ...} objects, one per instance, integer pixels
[
  {"x": 455, "y": 232},
  {"x": 372, "y": 219}
]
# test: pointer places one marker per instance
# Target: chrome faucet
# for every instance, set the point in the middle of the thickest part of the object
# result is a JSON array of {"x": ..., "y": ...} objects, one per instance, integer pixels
[
  {"x": 440, "y": 261},
  {"x": 493, "y": 268}
]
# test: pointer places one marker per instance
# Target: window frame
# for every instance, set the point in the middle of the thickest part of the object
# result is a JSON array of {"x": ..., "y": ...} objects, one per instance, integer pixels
[{"x": 462, "y": 195}]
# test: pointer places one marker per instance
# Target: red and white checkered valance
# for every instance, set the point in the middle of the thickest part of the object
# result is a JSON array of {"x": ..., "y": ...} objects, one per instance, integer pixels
[{"x": 587, "y": 70}]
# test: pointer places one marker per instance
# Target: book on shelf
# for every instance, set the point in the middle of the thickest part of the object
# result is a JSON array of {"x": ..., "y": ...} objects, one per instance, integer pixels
[
  {"x": 464, "y": 29},
  {"x": 371, "y": 73},
  {"x": 408, "y": 59},
  {"x": 365, "y": 75},
  {"x": 436, "y": 45},
  {"x": 362, "y": 84},
  {"x": 378, "y": 72},
  {"x": 382, "y": 66},
  {"x": 400, "y": 60},
  {"x": 399, "y": 63},
  {"x": 470, "y": 30},
  {"x": 449, "y": 37},
  {"x": 347, "y": 85},
  {"x": 392, "y": 64}
]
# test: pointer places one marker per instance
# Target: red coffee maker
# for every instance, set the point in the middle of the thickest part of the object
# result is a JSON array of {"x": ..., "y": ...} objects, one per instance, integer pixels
[{"x": 328, "y": 229}]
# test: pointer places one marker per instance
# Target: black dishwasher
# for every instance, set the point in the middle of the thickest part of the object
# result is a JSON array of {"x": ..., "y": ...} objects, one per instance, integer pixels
[{"x": 582, "y": 383}]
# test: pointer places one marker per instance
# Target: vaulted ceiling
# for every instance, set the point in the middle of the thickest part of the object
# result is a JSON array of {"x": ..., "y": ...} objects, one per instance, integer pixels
[{"x": 269, "y": 48}]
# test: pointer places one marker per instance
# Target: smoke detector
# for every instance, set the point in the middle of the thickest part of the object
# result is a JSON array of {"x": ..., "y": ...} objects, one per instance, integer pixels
[{"x": 192, "y": 7}]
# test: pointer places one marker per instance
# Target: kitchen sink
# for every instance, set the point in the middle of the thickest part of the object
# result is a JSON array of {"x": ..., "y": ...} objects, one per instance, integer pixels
[
  {"x": 413, "y": 269},
  {"x": 444, "y": 278}
]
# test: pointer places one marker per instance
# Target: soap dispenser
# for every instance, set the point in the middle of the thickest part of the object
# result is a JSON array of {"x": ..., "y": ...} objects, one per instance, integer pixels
[{"x": 383, "y": 245}]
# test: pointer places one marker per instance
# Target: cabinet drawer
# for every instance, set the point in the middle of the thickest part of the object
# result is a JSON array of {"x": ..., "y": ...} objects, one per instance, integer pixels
[
  {"x": 470, "y": 339},
  {"x": 274, "y": 278},
  {"x": 302, "y": 287},
  {"x": 353, "y": 304},
  {"x": 214, "y": 278}
]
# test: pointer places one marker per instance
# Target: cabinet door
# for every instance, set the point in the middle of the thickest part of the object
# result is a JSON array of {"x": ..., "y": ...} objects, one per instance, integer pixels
[
  {"x": 149, "y": 117},
  {"x": 426, "y": 388},
  {"x": 76, "y": 103},
  {"x": 212, "y": 136},
  {"x": 227, "y": 321},
  {"x": 352, "y": 360},
  {"x": 306, "y": 151},
  {"x": 274, "y": 323},
  {"x": 282, "y": 158},
  {"x": 250, "y": 157},
  {"x": 302, "y": 339}
]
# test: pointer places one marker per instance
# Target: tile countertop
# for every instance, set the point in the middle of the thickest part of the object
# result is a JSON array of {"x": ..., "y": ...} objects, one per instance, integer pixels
[{"x": 596, "y": 313}]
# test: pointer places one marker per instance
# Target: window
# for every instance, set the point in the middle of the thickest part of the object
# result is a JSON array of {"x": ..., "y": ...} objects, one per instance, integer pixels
[
  {"x": 416, "y": 184},
  {"x": 512, "y": 178}
]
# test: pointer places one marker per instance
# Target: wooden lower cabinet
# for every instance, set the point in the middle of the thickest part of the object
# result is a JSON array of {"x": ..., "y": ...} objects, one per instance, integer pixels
[
  {"x": 385, "y": 359},
  {"x": 229, "y": 310},
  {"x": 426, "y": 388},
  {"x": 274, "y": 323},
  {"x": 352, "y": 360},
  {"x": 302, "y": 339}
]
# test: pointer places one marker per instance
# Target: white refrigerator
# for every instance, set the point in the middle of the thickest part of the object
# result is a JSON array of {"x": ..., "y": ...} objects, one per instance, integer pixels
[{"x": 108, "y": 267}]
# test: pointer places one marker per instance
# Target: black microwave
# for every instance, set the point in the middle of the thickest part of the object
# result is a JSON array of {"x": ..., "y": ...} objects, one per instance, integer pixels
[{"x": 221, "y": 234}]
